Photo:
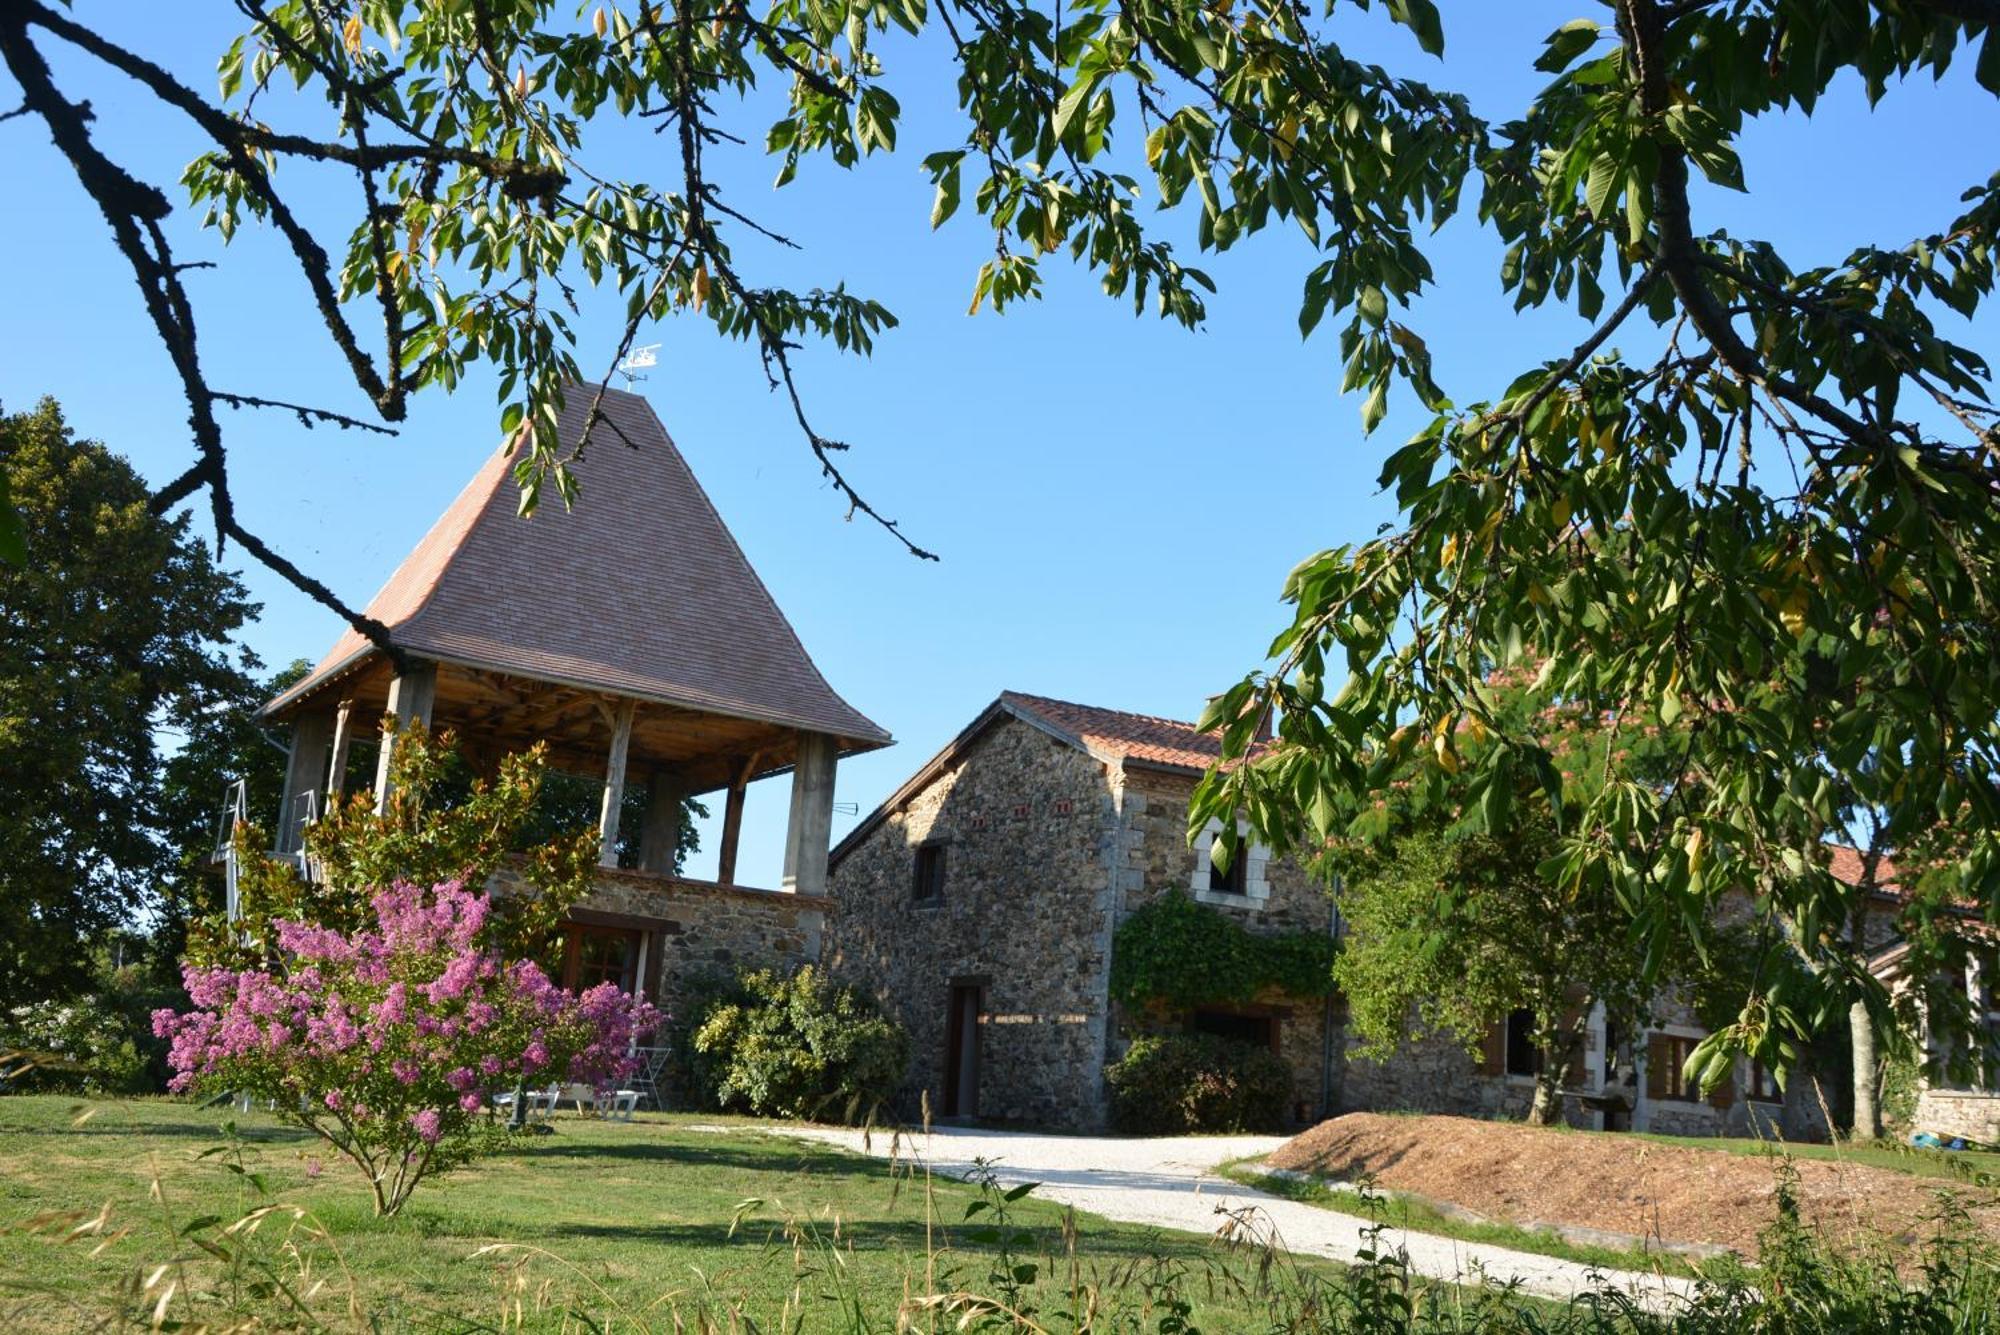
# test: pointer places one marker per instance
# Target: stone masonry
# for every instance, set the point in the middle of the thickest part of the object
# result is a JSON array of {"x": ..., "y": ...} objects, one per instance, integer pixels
[
  {"x": 695, "y": 928},
  {"x": 1025, "y": 916},
  {"x": 1055, "y": 821}
]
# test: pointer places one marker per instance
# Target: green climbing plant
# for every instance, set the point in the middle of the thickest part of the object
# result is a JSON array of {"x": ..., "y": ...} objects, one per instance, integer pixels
[{"x": 1176, "y": 952}]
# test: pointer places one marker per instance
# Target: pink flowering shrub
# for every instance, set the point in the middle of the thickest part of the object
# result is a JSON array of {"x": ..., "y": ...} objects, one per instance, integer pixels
[{"x": 389, "y": 1043}]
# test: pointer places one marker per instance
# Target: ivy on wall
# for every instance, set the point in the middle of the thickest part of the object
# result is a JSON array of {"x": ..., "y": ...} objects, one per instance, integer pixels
[{"x": 1178, "y": 953}]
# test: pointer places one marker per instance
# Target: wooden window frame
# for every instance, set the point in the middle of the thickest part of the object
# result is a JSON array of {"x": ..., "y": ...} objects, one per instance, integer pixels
[
  {"x": 573, "y": 934},
  {"x": 927, "y": 892}
]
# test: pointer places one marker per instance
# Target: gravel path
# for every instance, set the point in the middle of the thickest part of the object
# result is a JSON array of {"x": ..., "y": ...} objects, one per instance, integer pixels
[{"x": 1170, "y": 1183}]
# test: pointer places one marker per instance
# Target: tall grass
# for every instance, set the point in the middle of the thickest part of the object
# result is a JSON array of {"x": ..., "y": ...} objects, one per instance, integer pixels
[{"x": 268, "y": 1264}]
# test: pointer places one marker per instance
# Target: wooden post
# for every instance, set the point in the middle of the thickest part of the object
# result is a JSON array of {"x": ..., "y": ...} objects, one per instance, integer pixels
[
  {"x": 809, "y": 833},
  {"x": 305, "y": 772},
  {"x": 660, "y": 836},
  {"x": 343, "y": 741},
  {"x": 614, "y": 783},
  {"x": 411, "y": 695},
  {"x": 732, "y": 822}
]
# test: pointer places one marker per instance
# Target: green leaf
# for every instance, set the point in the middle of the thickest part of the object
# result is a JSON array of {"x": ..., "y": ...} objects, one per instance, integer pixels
[
  {"x": 1566, "y": 44},
  {"x": 1421, "y": 18},
  {"x": 1073, "y": 101},
  {"x": 1602, "y": 185},
  {"x": 946, "y": 202},
  {"x": 1376, "y": 407},
  {"x": 1987, "y": 71}
]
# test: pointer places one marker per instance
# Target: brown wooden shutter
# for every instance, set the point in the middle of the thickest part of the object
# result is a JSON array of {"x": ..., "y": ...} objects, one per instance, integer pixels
[
  {"x": 1725, "y": 1093},
  {"x": 1659, "y": 1056},
  {"x": 1573, "y": 1050},
  {"x": 1493, "y": 1051}
]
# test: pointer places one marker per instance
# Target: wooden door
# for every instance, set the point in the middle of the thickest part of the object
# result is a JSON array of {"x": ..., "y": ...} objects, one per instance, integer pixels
[{"x": 961, "y": 1053}]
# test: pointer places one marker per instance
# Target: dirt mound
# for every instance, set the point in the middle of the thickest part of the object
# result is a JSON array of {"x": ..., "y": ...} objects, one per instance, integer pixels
[{"x": 1623, "y": 1184}]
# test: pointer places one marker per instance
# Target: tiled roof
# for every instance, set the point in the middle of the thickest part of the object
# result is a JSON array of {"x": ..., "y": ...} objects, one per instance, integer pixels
[
  {"x": 1114, "y": 733},
  {"x": 1846, "y": 864},
  {"x": 639, "y": 591}
]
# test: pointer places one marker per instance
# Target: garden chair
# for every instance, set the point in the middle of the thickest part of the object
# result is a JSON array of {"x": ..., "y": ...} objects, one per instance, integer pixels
[{"x": 541, "y": 1103}]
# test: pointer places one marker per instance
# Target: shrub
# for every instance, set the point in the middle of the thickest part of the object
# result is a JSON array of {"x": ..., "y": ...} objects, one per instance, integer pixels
[
  {"x": 1168, "y": 1084},
  {"x": 80, "y": 1046},
  {"x": 388, "y": 1043},
  {"x": 797, "y": 1045}
]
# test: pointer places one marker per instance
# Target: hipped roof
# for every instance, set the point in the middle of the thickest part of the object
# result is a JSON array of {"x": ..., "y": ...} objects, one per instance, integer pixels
[{"x": 639, "y": 591}]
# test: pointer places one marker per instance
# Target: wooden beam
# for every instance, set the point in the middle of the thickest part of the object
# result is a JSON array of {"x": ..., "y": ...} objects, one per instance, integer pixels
[
  {"x": 614, "y": 784},
  {"x": 305, "y": 772},
  {"x": 732, "y": 821},
  {"x": 343, "y": 742},
  {"x": 660, "y": 836},
  {"x": 411, "y": 695}
]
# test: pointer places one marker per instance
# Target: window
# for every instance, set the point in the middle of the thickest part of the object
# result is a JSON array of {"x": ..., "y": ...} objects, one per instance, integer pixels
[
  {"x": 1666, "y": 1055},
  {"x": 1259, "y": 1031},
  {"x": 1970, "y": 1063},
  {"x": 1764, "y": 1085},
  {"x": 1233, "y": 879},
  {"x": 584, "y": 956},
  {"x": 1522, "y": 1056},
  {"x": 927, "y": 879},
  {"x": 1243, "y": 883}
]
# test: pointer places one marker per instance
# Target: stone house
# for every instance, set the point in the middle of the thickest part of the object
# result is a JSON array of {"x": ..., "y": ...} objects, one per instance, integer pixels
[
  {"x": 979, "y": 903},
  {"x": 631, "y": 637},
  {"x": 1953, "y": 1098}
]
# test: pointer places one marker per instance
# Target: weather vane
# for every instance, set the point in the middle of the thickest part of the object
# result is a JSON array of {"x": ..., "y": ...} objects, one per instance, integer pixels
[{"x": 641, "y": 359}]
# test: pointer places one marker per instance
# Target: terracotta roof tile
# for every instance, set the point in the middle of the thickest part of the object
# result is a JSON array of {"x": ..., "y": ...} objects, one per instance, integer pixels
[
  {"x": 1846, "y": 865},
  {"x": 640, "y": 590},
  {"x": 1114, "y": 732}
]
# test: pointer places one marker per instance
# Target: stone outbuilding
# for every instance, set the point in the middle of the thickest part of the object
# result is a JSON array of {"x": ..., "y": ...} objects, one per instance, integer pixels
[
  {"x": 632, "y": 637},
  {"x": 979, "y": 904}
]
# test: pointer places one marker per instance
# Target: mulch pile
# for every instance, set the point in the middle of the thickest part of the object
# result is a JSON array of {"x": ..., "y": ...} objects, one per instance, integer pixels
[{"x": 1531, "y": 1176}]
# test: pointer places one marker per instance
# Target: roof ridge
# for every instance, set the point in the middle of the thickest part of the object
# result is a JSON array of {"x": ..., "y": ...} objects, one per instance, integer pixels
[{"x": 1106, "y": 709}]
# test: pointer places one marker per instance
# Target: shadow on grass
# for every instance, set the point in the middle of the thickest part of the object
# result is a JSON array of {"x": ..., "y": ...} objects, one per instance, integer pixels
[
  {"x": 907, "y": 1237},
  {"x": 209, "y": 1131},
  {"x": 780, "y": 1157}
]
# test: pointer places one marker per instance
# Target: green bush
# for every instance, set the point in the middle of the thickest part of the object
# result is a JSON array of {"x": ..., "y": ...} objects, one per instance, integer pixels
[
  {"x": 1175, "y": 1083},
  {"x": 80, "y": 1047},
  {"x": 796, "y": 1045}
]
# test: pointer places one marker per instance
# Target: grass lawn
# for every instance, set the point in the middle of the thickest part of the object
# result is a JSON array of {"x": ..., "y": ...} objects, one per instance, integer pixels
[{"x": 641, "y": 1217}]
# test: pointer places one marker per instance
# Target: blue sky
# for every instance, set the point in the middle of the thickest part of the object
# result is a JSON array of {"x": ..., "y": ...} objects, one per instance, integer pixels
[{"x": 1116, "y": 500}]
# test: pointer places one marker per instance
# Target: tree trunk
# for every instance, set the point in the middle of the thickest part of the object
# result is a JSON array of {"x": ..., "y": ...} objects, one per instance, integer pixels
[
  {"x": 1547, "y": 1106},
  {"x": 1861, "y": 1033}
]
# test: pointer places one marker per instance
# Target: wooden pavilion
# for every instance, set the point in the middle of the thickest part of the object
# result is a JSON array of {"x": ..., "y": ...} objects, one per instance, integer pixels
[{"x": 633, "y": 638}]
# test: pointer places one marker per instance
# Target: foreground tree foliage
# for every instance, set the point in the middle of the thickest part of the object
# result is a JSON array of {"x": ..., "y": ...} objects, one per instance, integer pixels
[
  {"x": 441, "y": 825},
  {"x": 1777, "y": 520}
]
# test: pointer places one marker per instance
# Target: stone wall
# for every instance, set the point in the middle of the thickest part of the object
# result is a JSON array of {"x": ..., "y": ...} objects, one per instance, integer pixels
[
  {"x": 1025, "y": 822},
  {"x": 1154, "y": 855},
  {"x": 1948, "y": 1113},
  {"x": 695, "y": 928}
]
